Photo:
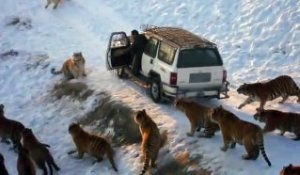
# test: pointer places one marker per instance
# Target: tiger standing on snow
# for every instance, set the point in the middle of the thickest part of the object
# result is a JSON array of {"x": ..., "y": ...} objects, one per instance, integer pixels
[
  {"x": 91, "y": 144},
  {"x": 235, "y": 130},
  {"x": 282, "y": 86},
  {"x": 73, "y": 67},
  {"x": 152, "y": 140},
  {"x": 3, "y": 170},
  {"x": 25, "y": 165},
  {"x": 199, "y": 117},
  {"x": 284, "y": 121},
  {"x": 10, "y": 129},
  {"x": 38, "y": 152}
]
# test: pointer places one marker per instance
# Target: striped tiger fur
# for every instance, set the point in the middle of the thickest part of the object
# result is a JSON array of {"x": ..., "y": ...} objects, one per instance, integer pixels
[
  {"x": 38, "y": 152},
  {"x": 3, "y": 170},
  {"x": 91, "y": 144},
  {"x": 73, "y": 67},
  {"x": 284, "y": 121},
  {"x": 282, "y": 86},
  {"x": 10, "y": 129},
  {"x": 25, "y": 164},
  {"x": 235, "y": 130},
  {"x": 152, "y": 140},
  {"x": 199, "y": 117},
  {"x": 290, "y": 170}
]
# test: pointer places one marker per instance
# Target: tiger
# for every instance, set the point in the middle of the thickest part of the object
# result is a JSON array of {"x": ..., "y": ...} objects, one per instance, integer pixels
[
  {"x": 290, "y": 170},
  {"x": 235, "y": 130},
  {"x": 55, "y": 2},
  {"x": 73, "y": 67},
  {"x": 38, "y": 152},
  {"x": 25, "y": 164},
  {"x": 199, "y": 116},
  {"x": 3, "y": 170},
  {"x": 284, "y": 121},
  {"x": 152, "y": 140},
  {"x": 10, "y": 129},
  {"x": 91, "y": 144},
  {"x": 283, "y": 86}
]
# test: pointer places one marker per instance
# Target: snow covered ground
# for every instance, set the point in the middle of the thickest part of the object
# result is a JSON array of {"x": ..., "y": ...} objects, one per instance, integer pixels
[{"x": 258, "y": 40}]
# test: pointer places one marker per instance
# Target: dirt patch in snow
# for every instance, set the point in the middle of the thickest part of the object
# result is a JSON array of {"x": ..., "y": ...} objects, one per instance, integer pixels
[
  {"x": 115, "y": 116},
  {"x": 75, "y": 90},
  {"x": 182, "y": 163}
]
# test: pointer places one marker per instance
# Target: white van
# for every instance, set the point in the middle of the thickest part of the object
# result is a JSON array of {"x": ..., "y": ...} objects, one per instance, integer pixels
[{"x": 175, "y": 63}]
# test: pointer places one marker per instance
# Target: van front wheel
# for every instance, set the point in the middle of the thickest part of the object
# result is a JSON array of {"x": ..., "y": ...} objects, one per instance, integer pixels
[
  {"x": 121, "y": 73},
  {"x": 155, "y": 90}
]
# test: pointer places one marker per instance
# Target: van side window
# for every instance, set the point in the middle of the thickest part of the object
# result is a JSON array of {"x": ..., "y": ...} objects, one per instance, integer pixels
[
  {"x": 151, "y": 47},
  {"x": 166, "y": 53}
]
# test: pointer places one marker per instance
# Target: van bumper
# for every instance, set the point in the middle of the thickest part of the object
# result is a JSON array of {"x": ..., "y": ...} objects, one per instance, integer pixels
[{"x": 175, "y": 92}]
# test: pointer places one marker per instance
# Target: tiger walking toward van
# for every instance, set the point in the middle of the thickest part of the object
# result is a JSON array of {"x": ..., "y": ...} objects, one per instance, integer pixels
[
  {"x": 152, "y": 140},
  {"x": 282, "y": 86},
  {"x": 199, "y": 117},
  {"x": 284, "y": 121},
  {"x": 91, "y": 144}
]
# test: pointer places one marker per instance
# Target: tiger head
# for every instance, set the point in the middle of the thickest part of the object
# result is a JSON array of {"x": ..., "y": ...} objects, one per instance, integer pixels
[
  {"x": 74, "y": 128},
  {"x": 243, "y": 89},
  {"x": 290, "y": 170},
  {"x": 1, "y": 110},
  {"x": 260, "y": 115},
  {"x": 217, "y": 114},
  {"x": 179, "y": 103},
  {"x": 78, "y": 57},
  {"x": 27, "y": 133},
  {"x": 140, "y": 117}
]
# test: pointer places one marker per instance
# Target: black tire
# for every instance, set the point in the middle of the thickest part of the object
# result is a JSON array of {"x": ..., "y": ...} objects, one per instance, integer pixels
[
  {"x": 155, "y": 90},
  {"x": 121, "y": 72}
]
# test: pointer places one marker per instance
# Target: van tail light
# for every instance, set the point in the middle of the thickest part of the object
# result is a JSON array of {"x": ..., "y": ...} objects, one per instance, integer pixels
[
  {"x": 224, "y": 76},
  {"x": 173, "y": 79}
]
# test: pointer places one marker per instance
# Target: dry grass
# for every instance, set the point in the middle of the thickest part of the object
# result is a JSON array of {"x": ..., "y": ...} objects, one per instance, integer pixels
[
  {"x": 76, "y": 90},
  {"x": 111, "y": 113},
  {"x": 180, "y": 165}
]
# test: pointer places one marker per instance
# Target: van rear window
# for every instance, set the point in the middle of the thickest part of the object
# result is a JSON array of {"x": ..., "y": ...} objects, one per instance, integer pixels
[{"x": 199, "y": 58}]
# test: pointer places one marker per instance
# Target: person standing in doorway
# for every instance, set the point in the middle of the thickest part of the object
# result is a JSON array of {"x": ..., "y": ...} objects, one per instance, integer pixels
[{"x": 139, "y": 42}]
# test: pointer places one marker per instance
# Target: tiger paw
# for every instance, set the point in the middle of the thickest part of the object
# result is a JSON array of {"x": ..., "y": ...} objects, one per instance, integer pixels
[
  {"x": 223, "y": 148},
  {"x": 205, "y": 135},
  {"x": 3, "y": 140},
  {"x": 246, "y": 157},
  {"x": 190, "y": 134}
]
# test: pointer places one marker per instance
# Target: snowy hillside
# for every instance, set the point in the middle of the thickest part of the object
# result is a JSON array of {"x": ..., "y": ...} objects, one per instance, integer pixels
[{"x": 258, "y": 40}]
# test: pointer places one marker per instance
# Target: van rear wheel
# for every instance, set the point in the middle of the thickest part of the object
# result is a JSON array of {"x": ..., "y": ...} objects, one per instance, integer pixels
[{"x": 155, "y": 90}]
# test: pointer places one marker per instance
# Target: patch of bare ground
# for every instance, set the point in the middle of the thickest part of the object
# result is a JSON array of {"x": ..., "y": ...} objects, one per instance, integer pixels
[
  {"x": 182, "y": 164},
  {"x": 110, "y": 113},
  {"x": 75, "y": 90}
]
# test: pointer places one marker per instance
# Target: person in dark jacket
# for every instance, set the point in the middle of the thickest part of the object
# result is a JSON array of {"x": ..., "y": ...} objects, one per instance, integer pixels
[{"x": 136, "y": 50}]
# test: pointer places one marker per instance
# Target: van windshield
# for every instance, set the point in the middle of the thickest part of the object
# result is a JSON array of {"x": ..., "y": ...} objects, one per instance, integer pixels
[{"x": 199, "y": 57}]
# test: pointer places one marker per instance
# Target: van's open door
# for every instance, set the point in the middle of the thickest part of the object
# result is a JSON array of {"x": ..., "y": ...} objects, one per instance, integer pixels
[{"x": 117, "y": 54}]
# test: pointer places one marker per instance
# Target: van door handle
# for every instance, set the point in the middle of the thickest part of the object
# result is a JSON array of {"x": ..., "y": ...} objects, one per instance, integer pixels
[{"x": 151, "y": 61}]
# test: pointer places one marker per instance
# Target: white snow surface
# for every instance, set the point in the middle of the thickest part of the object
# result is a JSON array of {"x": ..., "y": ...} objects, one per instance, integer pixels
[{"x": 258, "y": 40}]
